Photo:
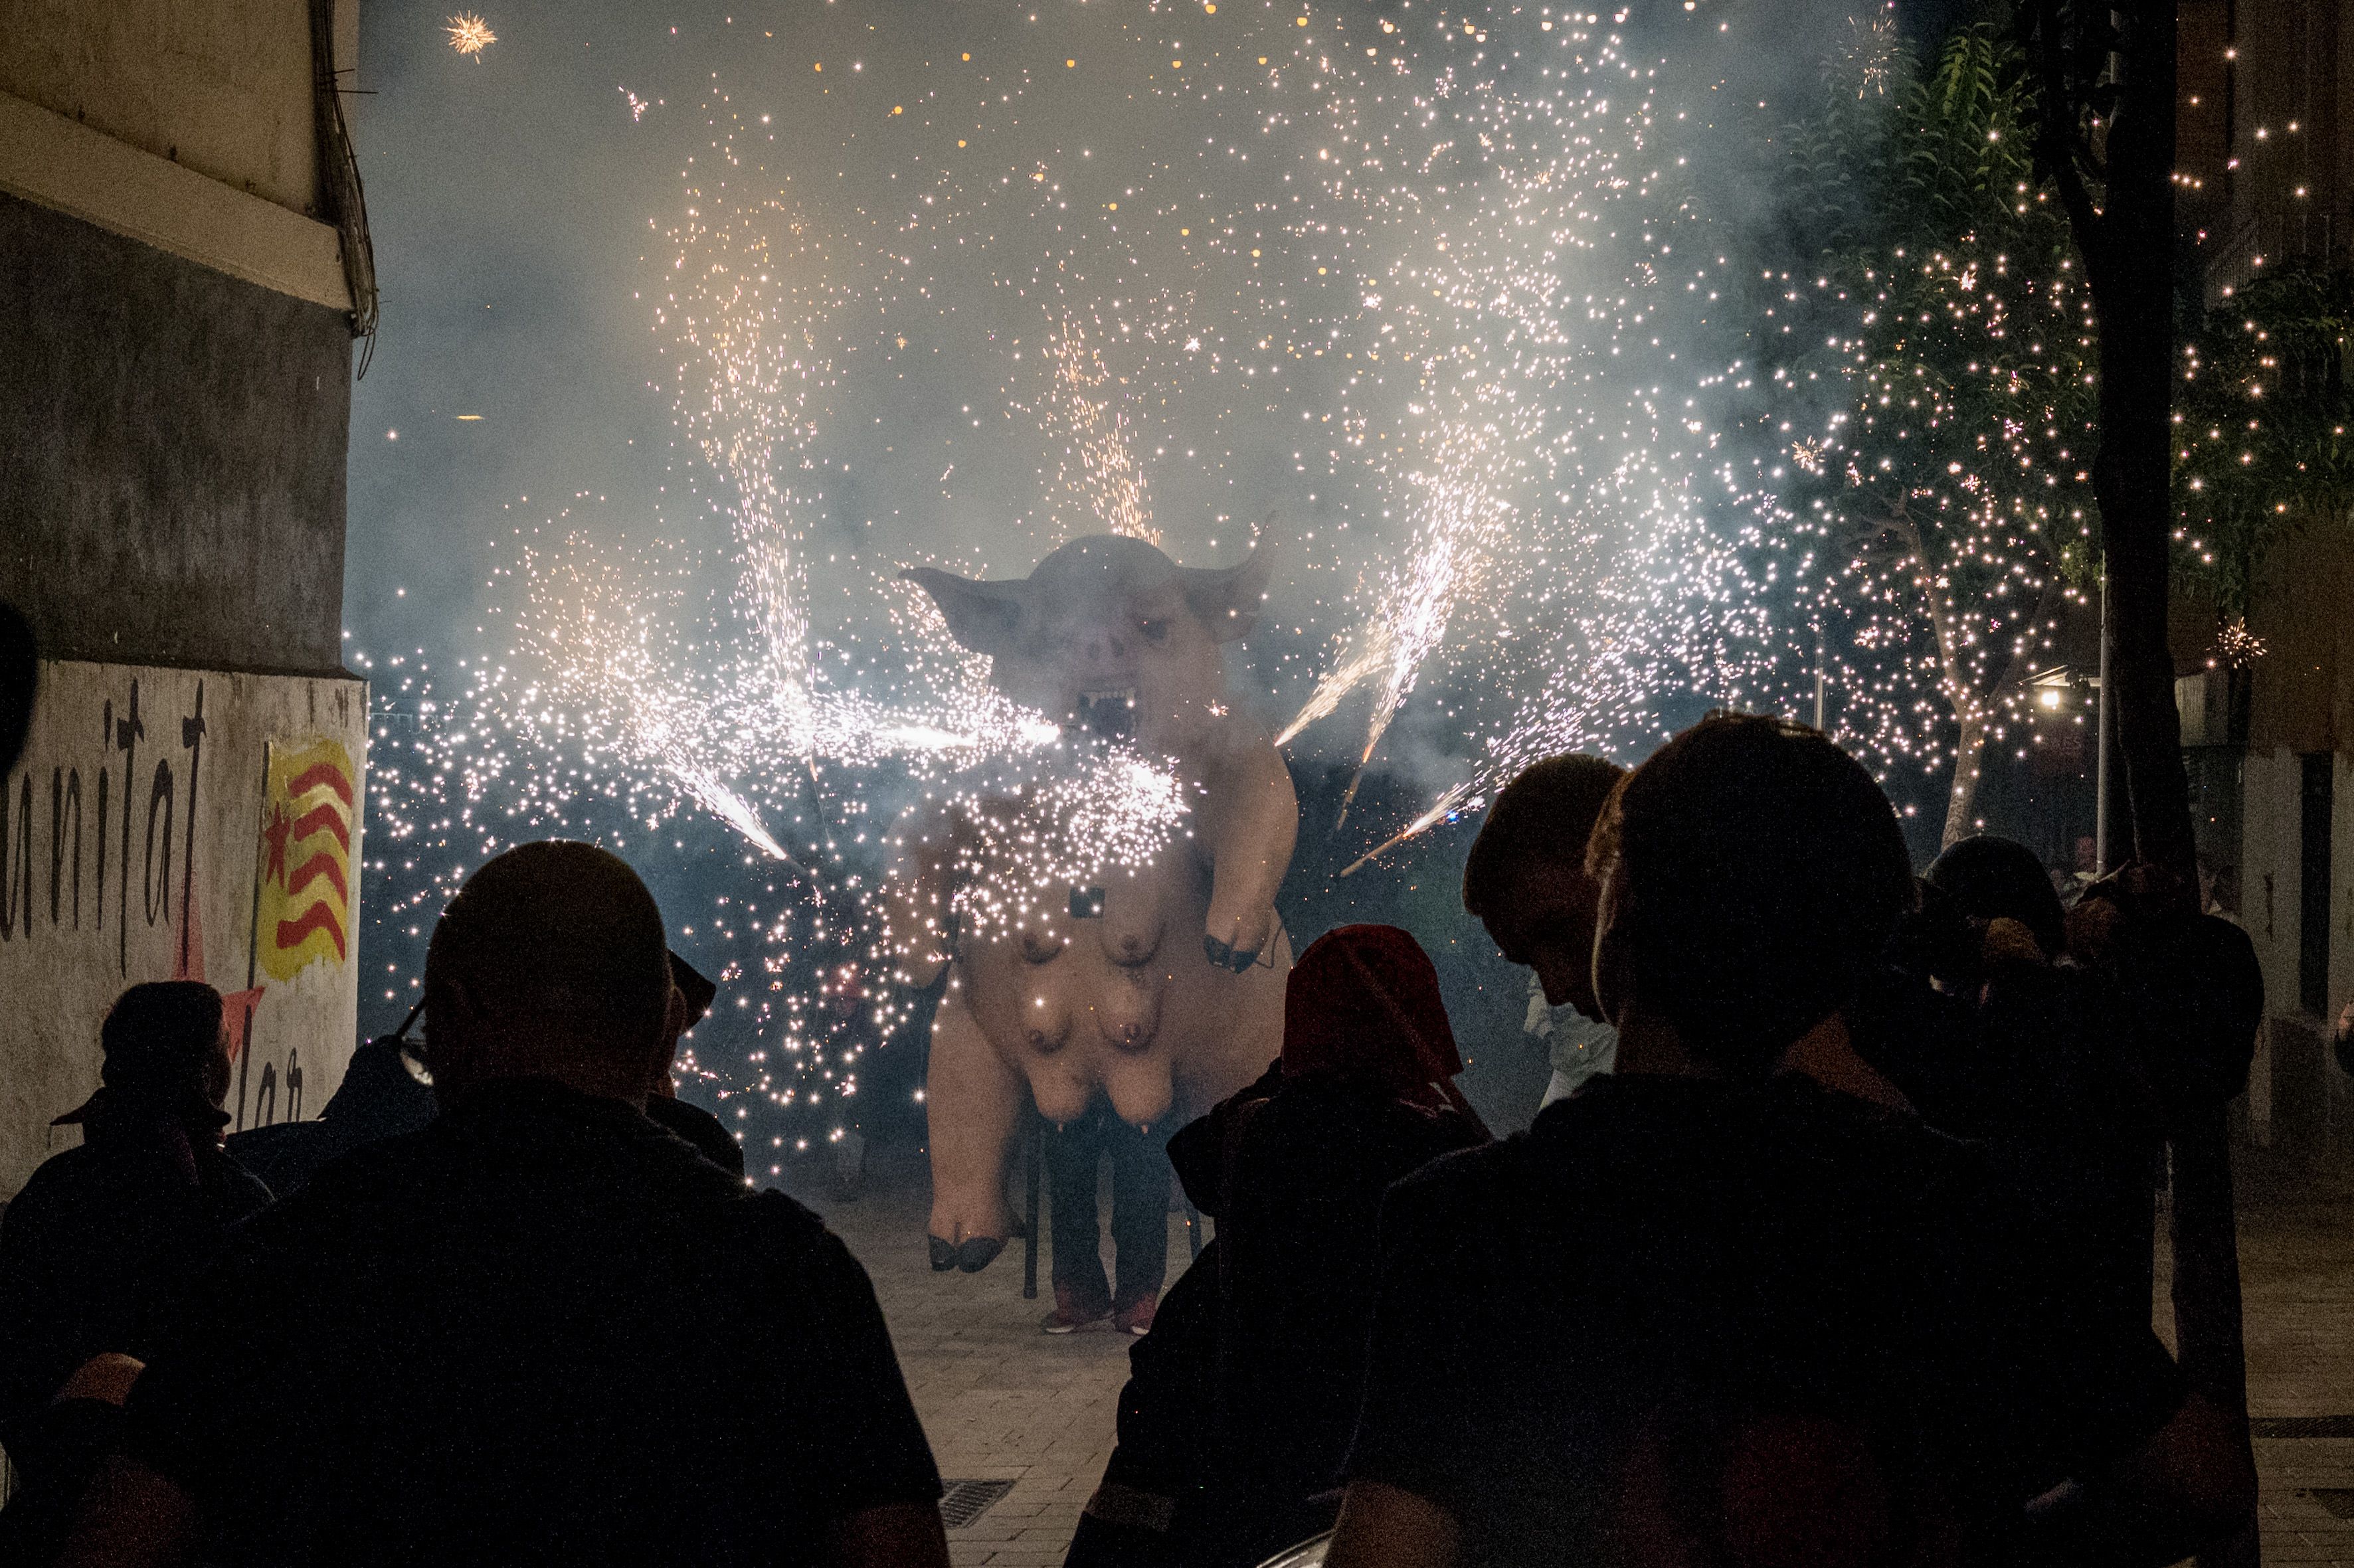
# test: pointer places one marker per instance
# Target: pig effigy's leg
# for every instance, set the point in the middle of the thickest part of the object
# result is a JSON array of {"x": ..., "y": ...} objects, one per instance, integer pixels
[
  {"x": 974, "y": 1101},
  {"x": 1257, "y": 817}
]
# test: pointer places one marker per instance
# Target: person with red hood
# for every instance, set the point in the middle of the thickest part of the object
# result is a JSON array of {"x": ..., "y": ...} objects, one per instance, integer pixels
[{"x": 1238, "y": 1412}]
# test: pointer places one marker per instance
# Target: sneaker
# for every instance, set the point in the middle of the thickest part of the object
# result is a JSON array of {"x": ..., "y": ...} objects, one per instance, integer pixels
[
  {"x": 1071, "y": 1313},
  {"x": 1136, "y": 1318}
]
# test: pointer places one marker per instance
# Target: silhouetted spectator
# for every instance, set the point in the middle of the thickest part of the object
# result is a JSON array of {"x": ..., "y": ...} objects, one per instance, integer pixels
[
  {"x": 1525, "y": 881},
  {"x": 1994, "y": 1032},
  {"x": 1293, "y": 1169},
  {"x": 1708, "y": 1310},
  {"x": 386, "y": 1092},
  {"x": 542, "y": 1331},
  {"x": 691, "y": 999},
  {"x": 105, "y": 1242},
  {"x": 1150, "y": 1506},
  {"x": 1988, "y": 878}
]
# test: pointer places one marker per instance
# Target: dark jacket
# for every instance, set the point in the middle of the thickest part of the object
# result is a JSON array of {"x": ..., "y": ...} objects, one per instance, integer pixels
[
  {"x": 1298, "y": 1227},
  {"x": 98, "y": 1252},
  {"x": 699, "y": 1127},
  {"x": 378, "y": 1098},
  {"x": 541, "y": 1331},
  {"x": 1241, "y": 1402}
]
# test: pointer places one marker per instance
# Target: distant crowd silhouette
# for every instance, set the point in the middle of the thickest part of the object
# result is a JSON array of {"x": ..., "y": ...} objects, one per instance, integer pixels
[{"x": 1830, "y": 1246}]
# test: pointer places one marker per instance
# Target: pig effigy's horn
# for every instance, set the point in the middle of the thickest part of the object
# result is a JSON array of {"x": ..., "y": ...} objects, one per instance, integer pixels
[{"x": 1228, "y": 599}]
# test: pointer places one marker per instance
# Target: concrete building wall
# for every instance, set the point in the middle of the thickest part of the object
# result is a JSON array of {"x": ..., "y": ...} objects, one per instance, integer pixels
[
  {"x": 2341, "y": 890},
  {"x": 2301, "y": 709},
  {"x": 189, "y": 508},
  {"x": 222, "y": 87},
  {"x": 137, "y": 843},
  {"x": 2269, "y": 888},
  {"x": 175, "y": 361}
]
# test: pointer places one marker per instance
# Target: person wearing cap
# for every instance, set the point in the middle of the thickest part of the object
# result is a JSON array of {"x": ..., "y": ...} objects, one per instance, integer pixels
[
  {"x": 387, "y": 1091},
  {"x": 100, "y": 1249},
  {"x": 691, "y": 998}
]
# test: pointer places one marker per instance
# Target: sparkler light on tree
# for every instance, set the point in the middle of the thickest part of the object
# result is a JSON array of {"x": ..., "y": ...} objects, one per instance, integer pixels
[
  {"x": 2262, "y": 447},
  {"x": 1947, "y": 489}
]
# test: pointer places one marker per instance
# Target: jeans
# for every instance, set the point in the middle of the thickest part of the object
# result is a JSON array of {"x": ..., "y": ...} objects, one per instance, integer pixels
[{"x": 1140, "y": 1206}]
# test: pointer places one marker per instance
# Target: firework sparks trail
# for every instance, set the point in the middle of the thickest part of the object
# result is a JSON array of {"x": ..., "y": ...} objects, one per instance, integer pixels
[
  {"x": 1108, "y": 481},
  {"x": 750, "y": 297},
  {"x": 1555, "y": 487},
  {"x": 1464, "y": 328}
]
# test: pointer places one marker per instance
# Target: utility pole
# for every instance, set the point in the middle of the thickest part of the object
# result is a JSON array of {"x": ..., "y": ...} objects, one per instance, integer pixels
[{"x": 1819, "y": 674}]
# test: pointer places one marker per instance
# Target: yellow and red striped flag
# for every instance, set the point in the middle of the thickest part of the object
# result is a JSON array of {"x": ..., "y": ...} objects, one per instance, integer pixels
[{"x": 308, "y": 808}]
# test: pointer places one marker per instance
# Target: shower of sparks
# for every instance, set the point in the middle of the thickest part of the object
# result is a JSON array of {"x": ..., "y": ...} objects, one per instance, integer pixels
[
  {"x": 470, "y": 35},
  {"x": 1550, "y": 440},
  {"x": 1445, "y": 284},
  {"x": 1097, "y": 466}
]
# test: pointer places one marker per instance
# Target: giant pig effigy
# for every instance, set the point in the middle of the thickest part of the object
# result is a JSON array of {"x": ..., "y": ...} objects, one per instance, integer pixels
[{"x": 1164, "y": 985}]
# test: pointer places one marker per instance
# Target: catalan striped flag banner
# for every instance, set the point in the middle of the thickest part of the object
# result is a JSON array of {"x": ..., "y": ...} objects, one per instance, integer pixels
[{"x": 303, "y": 913}]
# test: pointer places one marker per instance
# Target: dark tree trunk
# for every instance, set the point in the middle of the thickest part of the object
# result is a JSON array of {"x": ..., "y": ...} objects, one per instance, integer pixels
[
  {"x": 2130, "y": 263},
  {"x": 2205, "y": 1289},
  {"x": 2125, "y": 232}
]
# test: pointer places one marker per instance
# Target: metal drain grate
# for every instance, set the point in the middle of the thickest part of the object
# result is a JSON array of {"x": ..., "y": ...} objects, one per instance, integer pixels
[
  {"x": 961, "y": 1503},
  {"x": 2302, "y": 1427}
]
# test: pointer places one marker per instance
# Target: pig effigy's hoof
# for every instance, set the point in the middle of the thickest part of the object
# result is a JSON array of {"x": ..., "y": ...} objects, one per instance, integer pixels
[
  {"x": 1227, "y": 957},
  {"x": 971, "y": 1256}
]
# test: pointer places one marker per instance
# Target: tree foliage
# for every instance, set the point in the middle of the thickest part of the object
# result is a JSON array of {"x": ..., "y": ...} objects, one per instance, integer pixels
[
  {"x": 1952, "y": 352},
  {"x": 2261, "y": 419}
]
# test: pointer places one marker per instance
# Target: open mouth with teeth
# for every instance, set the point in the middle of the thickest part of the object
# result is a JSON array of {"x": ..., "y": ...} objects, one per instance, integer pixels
[{"x": 1109, "y": 712}]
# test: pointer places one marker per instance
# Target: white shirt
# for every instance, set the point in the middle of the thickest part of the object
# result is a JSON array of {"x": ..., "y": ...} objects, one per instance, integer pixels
[{"x": 1577, "y": 1047}]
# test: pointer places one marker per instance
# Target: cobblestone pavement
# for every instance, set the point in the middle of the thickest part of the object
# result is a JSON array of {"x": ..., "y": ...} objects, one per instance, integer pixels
[
  {"x": 1003, "y": 1401},
  {"x": 1000, "y": 1400}
]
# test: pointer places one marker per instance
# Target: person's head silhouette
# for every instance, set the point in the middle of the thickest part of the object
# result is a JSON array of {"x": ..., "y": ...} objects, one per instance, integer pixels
[
  {"x": 1752, "y": 872},
  {"x": 549, "y": 964}
]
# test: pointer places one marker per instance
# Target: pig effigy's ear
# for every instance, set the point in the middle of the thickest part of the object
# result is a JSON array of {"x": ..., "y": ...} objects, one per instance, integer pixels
[
  {"x": 982, "y": 616},
  {"x": 1228, "y": 599}
]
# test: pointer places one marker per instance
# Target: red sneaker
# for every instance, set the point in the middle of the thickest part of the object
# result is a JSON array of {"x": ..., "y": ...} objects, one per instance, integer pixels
[
  {"x": 1071, "y": 1313},
  {"x": 1136, "y": 1318}
]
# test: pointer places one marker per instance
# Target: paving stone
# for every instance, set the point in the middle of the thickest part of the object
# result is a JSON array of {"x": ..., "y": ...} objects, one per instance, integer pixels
[{"x": 1000, "y": 1400}]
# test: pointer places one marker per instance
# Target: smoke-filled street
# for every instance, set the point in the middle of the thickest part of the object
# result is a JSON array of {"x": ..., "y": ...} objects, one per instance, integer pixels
[{"x": 1176, "y": 783}]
